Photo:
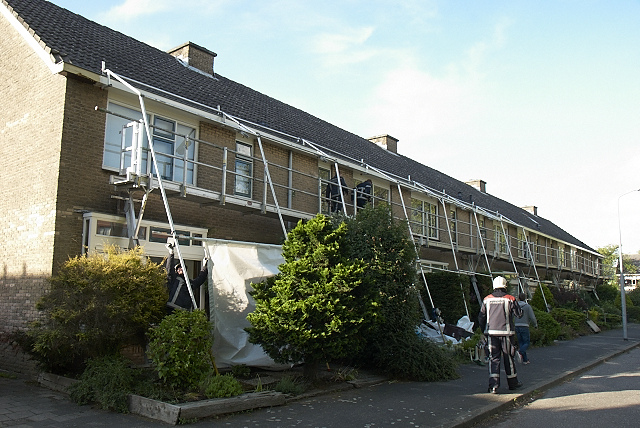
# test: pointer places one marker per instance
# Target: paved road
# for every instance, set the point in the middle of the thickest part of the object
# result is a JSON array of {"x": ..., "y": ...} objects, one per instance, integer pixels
[{"x": 606, "y": 396}]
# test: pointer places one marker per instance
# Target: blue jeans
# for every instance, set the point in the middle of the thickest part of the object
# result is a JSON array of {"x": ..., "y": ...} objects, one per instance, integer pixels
[{"x": 524, "y": 340}]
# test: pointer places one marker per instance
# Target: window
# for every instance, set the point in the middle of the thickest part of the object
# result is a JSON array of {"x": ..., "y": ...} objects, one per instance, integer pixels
[
  {"x": 522, "y": 246},
  {"x": 169, "y": 143},
  {"x": 172, "y": 148},
  {"x": 424, "y": 218},
  {"x": 380, "y": 195},
  {"x": 324, "y": 175},
  {"x": 501, "y": 240},
  {"x": 110, "y": 228},
  {"x": 118, "y": 230},
  {"x": 116, "y": 128},
  {"x": 453, "y": 224},
  {"x": 244, "y": 169},
  {"x": 159, "y": 234},
  {"x": 483, "y": 230},
  {"x": 561, "y": 256}
]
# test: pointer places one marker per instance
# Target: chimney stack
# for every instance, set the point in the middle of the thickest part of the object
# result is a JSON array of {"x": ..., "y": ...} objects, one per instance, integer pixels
[
  {"x": 532, "y": 209},
  {"x": 196, "y": 56},
  {"x": 478, "y": 184},
  {"x": 386, "y": 141}
]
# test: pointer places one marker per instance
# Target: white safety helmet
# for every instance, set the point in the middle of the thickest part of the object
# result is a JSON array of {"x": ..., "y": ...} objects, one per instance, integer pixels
[{"x": 499, "y": 282}]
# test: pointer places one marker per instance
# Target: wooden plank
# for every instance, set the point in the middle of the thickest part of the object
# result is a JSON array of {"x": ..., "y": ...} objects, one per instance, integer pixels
[
  {"x": 154, "y": 409},
  {"x": 593, "y": 326},
  {"x": 219, "y": 406}
]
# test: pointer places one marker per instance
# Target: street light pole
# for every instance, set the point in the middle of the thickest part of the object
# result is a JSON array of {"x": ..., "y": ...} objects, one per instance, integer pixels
[{"x": 623, "y": 301}]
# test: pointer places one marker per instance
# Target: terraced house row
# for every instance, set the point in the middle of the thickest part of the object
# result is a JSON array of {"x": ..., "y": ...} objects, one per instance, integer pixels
[{"x": 109, "y": 140}]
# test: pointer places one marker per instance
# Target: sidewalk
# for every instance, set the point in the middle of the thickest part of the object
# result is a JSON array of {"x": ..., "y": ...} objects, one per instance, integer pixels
[{"x": 458, "y": 403}]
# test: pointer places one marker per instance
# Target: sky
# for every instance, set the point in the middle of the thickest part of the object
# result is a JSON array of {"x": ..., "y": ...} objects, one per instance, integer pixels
[{"x": 540, "y": 99}]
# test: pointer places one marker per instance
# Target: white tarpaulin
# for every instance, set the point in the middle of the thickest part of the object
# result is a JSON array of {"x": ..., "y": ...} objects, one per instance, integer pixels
[{"x": 235, "y": 266}]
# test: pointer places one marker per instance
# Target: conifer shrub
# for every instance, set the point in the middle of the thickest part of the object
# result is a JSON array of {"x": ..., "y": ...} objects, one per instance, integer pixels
[
  {"x": 391, "y": 342},
  {"x": 313, "y": 310},
  {"x": 537, "y": 301},
  {"x": 575, "y": 320},
  {"x": 180, "y": 349},
  {"x": 96, "y": 305},
  {"x": 450, "y": 292}
]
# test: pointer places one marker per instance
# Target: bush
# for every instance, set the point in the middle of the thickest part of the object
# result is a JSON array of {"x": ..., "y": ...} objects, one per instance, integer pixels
[
  {"x": 180, "y": 349},
  {"x": 221, "y": 386},
  {"x": 607, "y": 292},
  {"x": 634, "y": 296},
  {"x": 106, "y": 381},
  {"x": 289, "y": 385},
  {"x": 575, "y": 320},
  {"x": 633, "y": 313},
  {"x": 97, "y": 304},
  {"x": 569, "y": 299},
  {"x": 547, "y": 331},
  {"x": 449, "y": 291},
  {"x": 391, "y": 343},
  {"x": 314, "y": 309},
  {"x": 537, "y": 301}
]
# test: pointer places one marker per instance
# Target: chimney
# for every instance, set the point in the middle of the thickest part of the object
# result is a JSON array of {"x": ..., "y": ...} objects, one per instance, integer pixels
[
  {"x": 386, "y": 141},
  {"x": 478, "y": 184},
  {"x": 532, "y": 209},
  {"x": 196, "y": 56}
]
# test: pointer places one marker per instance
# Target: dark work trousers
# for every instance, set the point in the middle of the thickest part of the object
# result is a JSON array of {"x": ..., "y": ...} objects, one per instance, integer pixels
[{"x": 502, "y": 346}]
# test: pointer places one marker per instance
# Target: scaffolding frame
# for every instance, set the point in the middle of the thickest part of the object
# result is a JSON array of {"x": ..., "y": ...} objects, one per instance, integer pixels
[{"x": 244, "y": 126}]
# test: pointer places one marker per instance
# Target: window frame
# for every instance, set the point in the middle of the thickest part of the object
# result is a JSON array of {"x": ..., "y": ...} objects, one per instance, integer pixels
[
  {"x": 247, "y": 176},
  {"x": 112, "y": 149}
]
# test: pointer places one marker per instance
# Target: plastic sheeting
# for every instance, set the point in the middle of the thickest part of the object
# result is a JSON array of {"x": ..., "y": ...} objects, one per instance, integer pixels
[
  {"x": 430, "y": 330},
  {"x": 235, "y": 266}
]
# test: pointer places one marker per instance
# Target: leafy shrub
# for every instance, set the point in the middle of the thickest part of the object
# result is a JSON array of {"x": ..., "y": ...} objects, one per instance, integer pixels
[
  {"x": 241, "y": 371},
  {"x": 180, "y": 349},
  {"x": 96, "y": 305},
  {"x": 221, "y": 386},
  {"x": 633, "y": 313},
  {"x": 106, "y": 381},
  {"x": 569, "y": 299},
  {"x": 547, "y": 331},
  {"x": 537, "y": 301},
  {"x": 289, "y": 385},
  {"x": 607, "y": 292},
  {"x": 634, "y": 296}
]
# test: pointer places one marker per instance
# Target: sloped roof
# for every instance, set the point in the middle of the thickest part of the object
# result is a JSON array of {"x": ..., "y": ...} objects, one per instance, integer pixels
[{"x": 85, "y": 44}]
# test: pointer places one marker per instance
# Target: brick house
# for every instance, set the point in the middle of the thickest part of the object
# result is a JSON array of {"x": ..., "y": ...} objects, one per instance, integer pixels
[{"x": 80, "y": 167}]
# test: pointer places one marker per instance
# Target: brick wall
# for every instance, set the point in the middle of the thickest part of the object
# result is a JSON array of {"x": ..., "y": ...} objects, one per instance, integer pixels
[{"x": 30, "y": 130}]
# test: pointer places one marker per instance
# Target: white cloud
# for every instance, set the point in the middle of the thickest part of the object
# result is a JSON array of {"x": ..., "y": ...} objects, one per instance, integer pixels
[
  {"x": 347, "y": 47},
  {"x": 131, "y": 9},
  {"x": 339, "y": 43}
]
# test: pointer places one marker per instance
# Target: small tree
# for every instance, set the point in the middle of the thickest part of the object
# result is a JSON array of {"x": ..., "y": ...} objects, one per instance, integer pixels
[
  {"x": 314, "y": 309},
  {"x": 97, "y": 304}
]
